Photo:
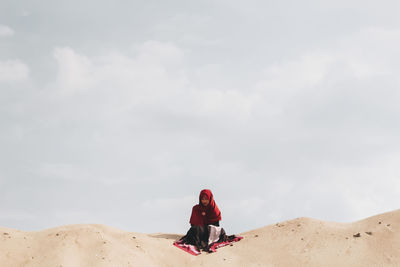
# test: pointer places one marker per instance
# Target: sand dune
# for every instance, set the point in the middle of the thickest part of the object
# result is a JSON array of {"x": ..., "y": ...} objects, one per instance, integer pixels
[{"x": 374, "y": 241}]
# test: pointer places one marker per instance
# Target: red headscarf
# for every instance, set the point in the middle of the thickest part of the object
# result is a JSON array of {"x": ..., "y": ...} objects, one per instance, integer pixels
[{"x": 205, "y": 215}]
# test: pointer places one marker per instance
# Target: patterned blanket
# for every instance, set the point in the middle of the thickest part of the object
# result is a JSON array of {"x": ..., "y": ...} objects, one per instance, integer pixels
[{"x": 213, "y": 244}]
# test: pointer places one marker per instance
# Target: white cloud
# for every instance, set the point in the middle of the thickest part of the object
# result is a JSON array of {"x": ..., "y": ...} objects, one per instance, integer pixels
[
  {"x": 154, "y": 78},
  {"x": 371, "y": 52},
  {"x": 251, "y": 206},
  {"x": 65, "y": 171},
  {"x": 282, "y": 82},
  {"x": 5, "y": 31},
  {"x": 74, "y": 70},
  {"x": 368, "y": 55},
  {"x": 168, "y": 205},
  {"x": 370, "y": 189},
  {"x": 166, "y": 54},
  {"x": 17, "y": 216},
  {"x": 299, "y": 141},
  {"x": 13, "y": 71},
  {"x": 25, "y": 13}
]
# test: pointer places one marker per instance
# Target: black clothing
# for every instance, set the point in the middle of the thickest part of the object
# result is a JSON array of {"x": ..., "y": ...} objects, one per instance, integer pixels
[{"x": 198, "y": 236}]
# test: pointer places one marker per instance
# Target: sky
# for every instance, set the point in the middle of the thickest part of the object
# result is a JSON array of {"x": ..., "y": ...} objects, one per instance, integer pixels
[{"x": 120, "y": 112}]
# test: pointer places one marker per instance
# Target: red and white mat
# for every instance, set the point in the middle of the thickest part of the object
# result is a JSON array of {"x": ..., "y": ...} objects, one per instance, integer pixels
[{"x": 193, "y": 250}]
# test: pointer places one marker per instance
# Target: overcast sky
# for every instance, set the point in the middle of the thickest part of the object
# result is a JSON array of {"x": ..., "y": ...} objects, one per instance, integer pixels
[{"x": 120, "y": 112}]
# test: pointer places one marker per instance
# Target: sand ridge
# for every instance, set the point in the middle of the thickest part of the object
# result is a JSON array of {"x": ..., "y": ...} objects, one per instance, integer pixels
[{"x": 374, "y": 241}]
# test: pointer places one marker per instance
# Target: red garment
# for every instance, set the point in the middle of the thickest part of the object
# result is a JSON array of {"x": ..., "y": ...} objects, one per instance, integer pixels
[{"x": 205, "y": 215}]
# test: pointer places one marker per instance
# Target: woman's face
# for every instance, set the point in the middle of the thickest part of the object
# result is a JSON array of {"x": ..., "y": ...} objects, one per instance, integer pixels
[{"x": 205, "y": 201}]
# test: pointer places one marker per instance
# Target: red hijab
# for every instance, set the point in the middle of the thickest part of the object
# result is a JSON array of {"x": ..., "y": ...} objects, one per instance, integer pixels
[{"x": 202, "y": 215}]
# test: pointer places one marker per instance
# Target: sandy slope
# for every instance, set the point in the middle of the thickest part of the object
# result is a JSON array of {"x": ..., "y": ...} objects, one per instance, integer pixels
[{"x": 299, "y": 242}]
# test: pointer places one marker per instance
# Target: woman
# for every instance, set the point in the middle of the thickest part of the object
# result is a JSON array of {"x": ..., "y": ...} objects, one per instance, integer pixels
[
  {"x": 206, "y": 212},
  {"x": 201, "y": 234}
]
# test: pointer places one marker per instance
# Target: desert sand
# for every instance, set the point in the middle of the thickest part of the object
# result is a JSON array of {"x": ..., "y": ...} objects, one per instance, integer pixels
[{"x": 374, "y": 241}]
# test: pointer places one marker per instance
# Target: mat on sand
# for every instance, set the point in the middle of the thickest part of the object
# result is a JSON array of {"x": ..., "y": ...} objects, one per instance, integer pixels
[{"x": 213, "y": 248}]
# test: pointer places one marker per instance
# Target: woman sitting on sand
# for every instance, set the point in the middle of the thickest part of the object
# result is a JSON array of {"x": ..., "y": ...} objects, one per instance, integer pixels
[
  {"x": 205, "y": 232},
  {"x": 205, "y": 216},
  {"x": 206, "y": 212}
]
